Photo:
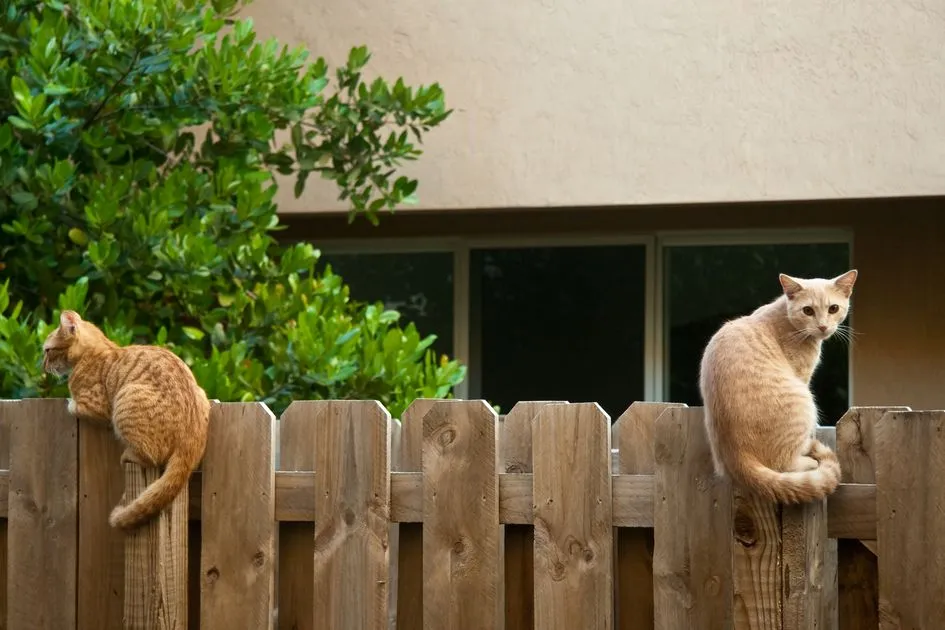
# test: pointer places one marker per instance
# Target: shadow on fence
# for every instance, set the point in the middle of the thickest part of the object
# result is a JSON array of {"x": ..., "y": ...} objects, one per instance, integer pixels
[{"x": 550, "y": 517}]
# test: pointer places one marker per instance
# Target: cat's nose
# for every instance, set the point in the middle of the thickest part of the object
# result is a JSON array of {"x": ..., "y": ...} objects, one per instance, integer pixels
[{"x": 822, "y": 328}]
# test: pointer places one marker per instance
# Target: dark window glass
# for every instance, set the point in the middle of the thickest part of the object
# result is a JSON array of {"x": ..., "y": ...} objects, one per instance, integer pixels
[
  {"x": 708, "y": 285},
  {"x": 417, "y": 285},
  {"x": 558, "y": 323}
]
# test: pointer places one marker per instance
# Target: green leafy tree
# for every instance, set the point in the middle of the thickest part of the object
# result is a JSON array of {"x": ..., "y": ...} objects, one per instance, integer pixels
[{"x": 139, "y": 147}]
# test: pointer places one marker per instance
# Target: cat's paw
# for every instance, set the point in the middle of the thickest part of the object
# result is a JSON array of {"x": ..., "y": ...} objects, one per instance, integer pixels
[{"x": 73, "y": 407}]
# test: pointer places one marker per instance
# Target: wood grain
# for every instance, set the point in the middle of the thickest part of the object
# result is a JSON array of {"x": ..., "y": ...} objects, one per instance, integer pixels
[
  {"x": 633, "y": 437},
  {"x": 757, "y": 563},
  {"x": 352, "y": 504},
  {"x": 297, "y": 539},
  {"x": 515, "y": 446},
  {"x": 238, "y": 519},
  {"x": 42, "y": 549},
  {"x": 910, "y": 505},
  {"x": 857, "y": 567},
  {"x": 573, "y": 518},
  {"x": 156, "y": 556},
  {"x": 460, "y": 517},
  {"x": 692, "y": 559},
  {"x": 410, "y": 553},
  {"x": 830, "y": 619},
  {"x": 101, "y": 547}
]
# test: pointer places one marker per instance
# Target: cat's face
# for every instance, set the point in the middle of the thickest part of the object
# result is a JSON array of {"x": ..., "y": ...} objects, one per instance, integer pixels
[
  {"x": 58, "y": 342},
  {"x": 817, "y": 307}
]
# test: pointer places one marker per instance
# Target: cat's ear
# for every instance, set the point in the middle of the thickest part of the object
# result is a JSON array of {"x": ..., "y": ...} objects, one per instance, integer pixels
[
  {"x": 69, "y": 321},
  {"x": 845, "y": 282},
  {"x": 791, "y": 286}
]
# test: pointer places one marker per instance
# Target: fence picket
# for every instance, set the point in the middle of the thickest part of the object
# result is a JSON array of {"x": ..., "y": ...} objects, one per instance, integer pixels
[
  {"x": 857, "y": 570},
  {"x": 297, "y": 539},
  {"x": 515, "y": 448},
  {"x": 692, "y": 556},
  {"x": 42, "y": 550},
  {"x": 5, "y": 421},
  {"x": 460, "y": 517},
  {"x": 573, "y": 518},
  {"x": 633, "y": 437},
  {"x": 101, "y": 548},
  {"x": 352, "y": 512},
  {"x": 410, "y": 543},
  {"x": 910, "y": 502},
  {"x": 237, "y": 518}
]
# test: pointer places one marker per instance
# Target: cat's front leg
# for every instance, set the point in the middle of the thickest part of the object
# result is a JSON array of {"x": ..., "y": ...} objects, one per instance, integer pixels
[{"x": 85, "y": 408}]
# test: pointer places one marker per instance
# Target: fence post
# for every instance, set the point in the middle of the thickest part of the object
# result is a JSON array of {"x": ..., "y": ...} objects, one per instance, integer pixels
[{"x": 156, "y": 561}]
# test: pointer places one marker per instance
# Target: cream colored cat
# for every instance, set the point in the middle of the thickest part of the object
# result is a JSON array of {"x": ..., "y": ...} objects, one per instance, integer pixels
[{"x": 760, "y": 415}]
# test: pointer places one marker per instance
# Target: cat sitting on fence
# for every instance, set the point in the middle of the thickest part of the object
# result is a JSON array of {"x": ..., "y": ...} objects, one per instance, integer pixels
[
  {"x": 760, "y": 414},
  {"x": 147, "y": 394}
]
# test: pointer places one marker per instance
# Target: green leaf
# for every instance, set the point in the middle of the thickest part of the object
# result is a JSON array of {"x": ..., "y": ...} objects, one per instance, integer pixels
[
  {"x": 25, "y": 199},
  {"x": 193, "y": 333}
]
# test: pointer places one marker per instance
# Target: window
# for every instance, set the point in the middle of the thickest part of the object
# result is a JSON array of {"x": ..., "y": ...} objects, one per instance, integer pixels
[
  {"x": 706, "y": 285},
  {"x": 418, "y": 285},
  {"x": 558, "y": 323}
]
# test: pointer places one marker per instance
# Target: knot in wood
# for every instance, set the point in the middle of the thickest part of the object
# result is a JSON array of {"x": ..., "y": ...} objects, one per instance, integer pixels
[
  {"x": 713, "y": 585},
  {"x": 212, "y": 575},
  {"x": 348, "y": 516},
  {"x": 259, "y": 559},
  {"x": 459, "y": 547},
  {"x": 557, "y": 571},
  {"x": 745, "y": 532},
  {"x": 446, "y": 437}
]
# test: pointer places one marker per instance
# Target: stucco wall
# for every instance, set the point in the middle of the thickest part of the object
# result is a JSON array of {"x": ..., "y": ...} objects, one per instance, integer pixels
[{"x": 569, "y": 102}]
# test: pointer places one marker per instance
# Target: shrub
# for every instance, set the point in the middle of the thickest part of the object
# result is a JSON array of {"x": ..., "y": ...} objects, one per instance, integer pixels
[{"x": 109, "y": 205}]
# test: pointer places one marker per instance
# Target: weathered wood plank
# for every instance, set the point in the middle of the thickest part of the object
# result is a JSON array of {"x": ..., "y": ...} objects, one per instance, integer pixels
[
  {"x": 910, "y": 506},
  {"x": 42, "y": 551},
  {"x": 634, "y": 439},
  {"x": 394, "y": 532},
  {"x": 410, "y": 553},
  {"x": 857, "y": 570},
  {"x": 238, "y": 528},
  {"x": 829, "y": 599},
  {"x": 692, "y": 559},
  {"x": 757, "y": 563},
  {"x": 156, "y": 557},
  {"x": 352, "y": 504},
  {"x": 296, "y": 581},
  {"x": 573, "y": 518},
  {"x": 516, "y": 457},
  {"x": 460, "y": 517},
  {"x": 101, "y": 547}
]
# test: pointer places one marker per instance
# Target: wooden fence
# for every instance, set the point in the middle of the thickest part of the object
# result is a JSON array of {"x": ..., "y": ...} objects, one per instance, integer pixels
[{"x": 335, "y": 517}]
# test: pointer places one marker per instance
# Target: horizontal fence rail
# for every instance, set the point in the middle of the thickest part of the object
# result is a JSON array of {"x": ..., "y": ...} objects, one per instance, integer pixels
[{"x": 336, "y": 516}]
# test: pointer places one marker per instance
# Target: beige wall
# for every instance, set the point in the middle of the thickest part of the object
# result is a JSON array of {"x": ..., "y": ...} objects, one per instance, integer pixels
[{"x": 570, "y": 102}]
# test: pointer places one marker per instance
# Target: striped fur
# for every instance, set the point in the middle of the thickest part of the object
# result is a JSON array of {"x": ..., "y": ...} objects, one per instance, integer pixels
[
  {"x": 147, "y": 394},
  {"x": 760, "y": 414}
]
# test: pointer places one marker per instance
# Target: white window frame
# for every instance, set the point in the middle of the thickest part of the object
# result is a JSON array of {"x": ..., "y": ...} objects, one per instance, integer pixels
[{"x": 656, "y": 244}]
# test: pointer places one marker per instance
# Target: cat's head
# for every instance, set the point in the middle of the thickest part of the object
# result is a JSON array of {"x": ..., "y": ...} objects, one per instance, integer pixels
[
  {"x": 68, "y": 342},
  {"x": 815, "y": 306}
]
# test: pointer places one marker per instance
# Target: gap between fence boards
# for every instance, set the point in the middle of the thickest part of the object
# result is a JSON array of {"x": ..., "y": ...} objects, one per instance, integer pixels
[{"x": 851, "y": 510}]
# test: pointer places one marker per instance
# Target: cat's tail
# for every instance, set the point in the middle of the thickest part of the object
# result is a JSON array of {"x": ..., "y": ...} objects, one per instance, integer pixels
[
  {"x": 159, "y": 494},
  {"x": 792, "y": 487}
]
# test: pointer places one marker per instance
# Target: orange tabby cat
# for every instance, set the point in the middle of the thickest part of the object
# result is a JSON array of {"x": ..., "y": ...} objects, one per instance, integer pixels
[
  {"x": 760, "y": 414},
  {"x": 149, "y": 396}
]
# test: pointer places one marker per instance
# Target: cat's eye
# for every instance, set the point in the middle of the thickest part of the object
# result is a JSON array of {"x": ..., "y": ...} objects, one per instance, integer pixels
[
  {"x": 808, "y": 311},
  {"x": 833, "y": 309}
]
